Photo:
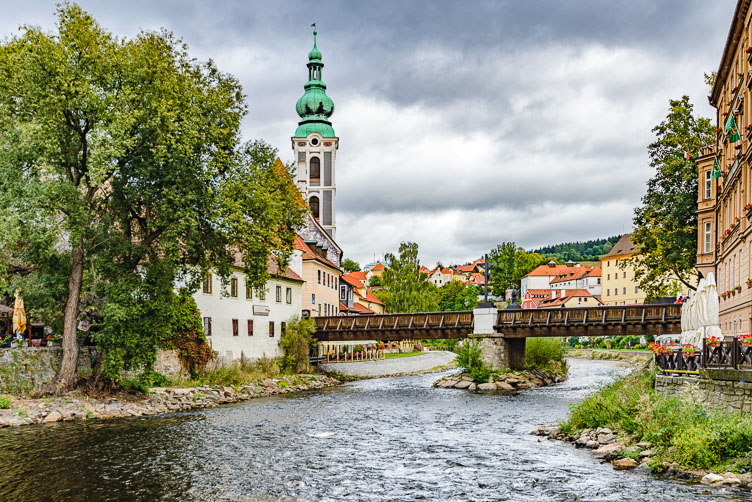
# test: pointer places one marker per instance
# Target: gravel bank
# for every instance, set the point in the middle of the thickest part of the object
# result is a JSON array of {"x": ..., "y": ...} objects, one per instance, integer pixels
[{"x": 388, "y": 367}]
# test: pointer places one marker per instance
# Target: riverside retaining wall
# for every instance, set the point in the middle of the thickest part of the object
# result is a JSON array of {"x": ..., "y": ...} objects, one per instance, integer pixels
[
  {"x": 25, "y": 370},
  {"x": 725, "y": 395}
]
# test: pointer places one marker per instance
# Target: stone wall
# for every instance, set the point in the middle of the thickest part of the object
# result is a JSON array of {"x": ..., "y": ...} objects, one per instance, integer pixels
[
  {"x": 24, "y": 370},
  {"x": 724, "y": 395},
  {"x": 503, "y": 353}
]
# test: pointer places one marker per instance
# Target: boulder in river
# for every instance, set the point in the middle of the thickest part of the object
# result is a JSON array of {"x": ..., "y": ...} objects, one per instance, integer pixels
[{"x": 624, "y": 464}]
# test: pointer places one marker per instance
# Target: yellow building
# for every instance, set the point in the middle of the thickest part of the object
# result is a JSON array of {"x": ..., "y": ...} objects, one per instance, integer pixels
[
  {"x": 724, "y": 243},
  {"x": 618, "y": 285},
  {"x": 321, "y": 286}
]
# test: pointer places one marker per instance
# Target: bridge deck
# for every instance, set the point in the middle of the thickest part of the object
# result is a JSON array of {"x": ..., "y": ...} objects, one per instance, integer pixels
[
  {"x": 392, "y": 327},
  {"x": 591, "y": 321}
]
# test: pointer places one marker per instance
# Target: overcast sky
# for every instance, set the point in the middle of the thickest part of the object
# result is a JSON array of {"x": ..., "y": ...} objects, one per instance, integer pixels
[{"x": 461, "y": 124}]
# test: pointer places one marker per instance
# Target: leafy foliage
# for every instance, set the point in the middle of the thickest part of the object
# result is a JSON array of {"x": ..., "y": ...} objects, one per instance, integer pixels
[
  {"x": 296, "y": 343},
  {"x": 681, "y": 430},
  {"x": 405, "y": 288},
  {"x": 541, "y": 353},
  {"x": 349, "y": 265},
  {"x": 458, "y": 296},
  {"x": 468, "y": 356},
  {"x": 579, "y": 251},
  {"x": 120, "y": 172},
  {"x": 666, "y": 222},
  {"x": 511, "y": 264}
]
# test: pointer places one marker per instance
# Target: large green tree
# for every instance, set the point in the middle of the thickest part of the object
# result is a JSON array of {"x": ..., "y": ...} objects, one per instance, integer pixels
[
  {"x": 123, "y": 157},
  {"x": 458, "y": 296},
  {"x": 665, "y": 222},
  {"x": 511, "y": 263},
  {"x": 349, "y": 265},
  {"x": 405, "y": 288}
]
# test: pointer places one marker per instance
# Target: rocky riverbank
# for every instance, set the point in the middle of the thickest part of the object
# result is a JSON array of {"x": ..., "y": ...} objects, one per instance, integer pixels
[
  {"x": 611, "y": 355},
  {"x": 502, "y": 382},
  {"x": 608, "y": 446},
  {"x": 159, "y": 400}
]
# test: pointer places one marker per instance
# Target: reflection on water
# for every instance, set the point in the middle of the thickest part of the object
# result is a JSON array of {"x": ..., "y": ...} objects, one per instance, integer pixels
[{"x": 385, "y": 439}]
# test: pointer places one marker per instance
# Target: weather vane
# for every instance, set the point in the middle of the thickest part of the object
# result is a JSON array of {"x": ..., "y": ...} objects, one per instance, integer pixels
[{"x": 314, "y": 29}]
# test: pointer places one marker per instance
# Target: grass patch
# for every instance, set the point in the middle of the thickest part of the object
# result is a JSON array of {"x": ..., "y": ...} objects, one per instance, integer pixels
[
  {"x": 399, "y": 355},
  {"x": 5, "y": 403},
  {"x": 238, "y": 375},
  {"x": 681, "y": 430}
]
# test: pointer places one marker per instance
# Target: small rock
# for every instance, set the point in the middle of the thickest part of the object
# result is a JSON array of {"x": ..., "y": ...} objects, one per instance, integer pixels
[
  {"x": 623, "y": 464},
  {"x": 647, "y": 453},
  {"x": 644, "y": 445},
  {"x": 609, "y": 451},
  {"x": 486, "y": 386},
  {"x": 472, "y": 387},
  {"x": 603, "y": 430},
  {"x": 606, "y": 438},
  {"x": 711, "y": 478},
  {"x": 463, "y": 384},
  {"x": 730, "y": 479},
  {"x": 54, "y": 416},
  {"x": 582, "y": 442},
  {"x": 591, "y": 444},
  {"x": 542, "y": 431},
  {"x": 504, "y": 386},
  {"x": 537, "y": 382}
]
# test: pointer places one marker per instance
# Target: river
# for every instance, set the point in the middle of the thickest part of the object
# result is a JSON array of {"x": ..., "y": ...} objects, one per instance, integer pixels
[{"x": 384, "y": 439}]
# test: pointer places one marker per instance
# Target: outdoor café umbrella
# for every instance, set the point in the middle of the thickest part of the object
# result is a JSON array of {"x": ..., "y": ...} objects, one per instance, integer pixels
[
  {"x": 19, "y": 316},
  {"x": 713, "y": 306}
]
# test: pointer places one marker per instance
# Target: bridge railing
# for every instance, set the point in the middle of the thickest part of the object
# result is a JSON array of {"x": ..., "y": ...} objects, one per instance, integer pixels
[
  {"x": 589, "y": 315},
  {"x": 427, "y": 320}
]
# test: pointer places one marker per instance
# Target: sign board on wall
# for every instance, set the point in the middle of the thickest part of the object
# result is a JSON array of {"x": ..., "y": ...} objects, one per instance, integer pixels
[{"x": 260, "y": 310}]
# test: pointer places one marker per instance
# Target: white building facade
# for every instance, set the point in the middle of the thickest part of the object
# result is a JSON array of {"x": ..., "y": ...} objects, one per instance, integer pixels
[{"x": 240, "y": 323}]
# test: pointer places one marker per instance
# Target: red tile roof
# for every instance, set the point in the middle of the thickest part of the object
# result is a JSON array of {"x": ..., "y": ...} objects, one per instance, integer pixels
[
  {"x": 361, "y": 276},
  {"x": 446, "y": 271},
  {"x": 309, "y": 255},
  {"x": 378, "y": 268},
  {"x": 576, "y": 273},
  {"x": 570, "y": 293},
  {"x": 425, "y": 270},
  {"x": 352, "y": 281},
  {"x": 547, "y": 270},
  {"x": 465, "y": 268},
  {"x": 477, "y": 278},
  {"x": 362, "y": 308}
]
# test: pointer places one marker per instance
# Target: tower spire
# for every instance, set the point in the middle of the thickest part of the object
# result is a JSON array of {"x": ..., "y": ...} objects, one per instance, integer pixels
[{"x": 315, "y": 107}]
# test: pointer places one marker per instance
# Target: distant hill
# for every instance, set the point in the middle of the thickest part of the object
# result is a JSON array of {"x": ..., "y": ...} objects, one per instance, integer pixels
[{"x": 580, "y": 251}]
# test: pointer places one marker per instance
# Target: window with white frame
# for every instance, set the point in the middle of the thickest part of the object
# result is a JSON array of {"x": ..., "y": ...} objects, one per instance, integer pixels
[
  {"x": 708, "y": 184},
  {"x": 707, "y": 236}
]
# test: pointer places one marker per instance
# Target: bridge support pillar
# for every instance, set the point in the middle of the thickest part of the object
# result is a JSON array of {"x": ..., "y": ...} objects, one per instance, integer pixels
[
  {"x": 497, "y": 352},
  {"x": 501, "y": 353}
]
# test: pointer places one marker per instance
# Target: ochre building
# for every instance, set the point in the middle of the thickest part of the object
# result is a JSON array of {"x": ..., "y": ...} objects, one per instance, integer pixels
[{"x": 724, "y": 200}]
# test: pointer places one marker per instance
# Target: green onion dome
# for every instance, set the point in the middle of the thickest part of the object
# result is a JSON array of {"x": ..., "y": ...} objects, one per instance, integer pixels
[{"x": 314, "y": 107}]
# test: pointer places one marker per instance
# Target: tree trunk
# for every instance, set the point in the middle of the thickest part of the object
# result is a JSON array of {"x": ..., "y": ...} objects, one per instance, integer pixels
[{"x": 67, "y": 374}]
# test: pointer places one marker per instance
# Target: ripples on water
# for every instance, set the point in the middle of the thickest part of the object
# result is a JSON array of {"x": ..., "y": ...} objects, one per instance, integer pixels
[{"x": 386, "y": 439}]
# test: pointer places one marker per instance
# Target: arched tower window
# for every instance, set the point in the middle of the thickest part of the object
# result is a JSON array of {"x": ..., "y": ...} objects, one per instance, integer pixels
[
  {"x": 315, "y": 168},
  {"x": 314, "y": 202}
]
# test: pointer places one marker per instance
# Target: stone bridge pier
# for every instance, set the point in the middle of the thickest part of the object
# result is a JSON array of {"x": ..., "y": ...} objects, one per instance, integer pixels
[{"x": 497, "y": 352}]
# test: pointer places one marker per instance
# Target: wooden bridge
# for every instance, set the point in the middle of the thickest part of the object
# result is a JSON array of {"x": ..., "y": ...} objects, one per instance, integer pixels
[
  {"x": 394, "y": 327},
  {"x": 636, "y": 320},
  {"x": 592, "y": 321}
]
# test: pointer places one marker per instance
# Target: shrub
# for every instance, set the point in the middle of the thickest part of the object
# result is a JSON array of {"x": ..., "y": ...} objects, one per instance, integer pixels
[
  {"x": 296, "y": 342},
  {"x": 146, "y": 380},
  {"x": 543, "y": 352},
  {"x": 468, "y": 356},
  {"x": 5, "y": 403}
]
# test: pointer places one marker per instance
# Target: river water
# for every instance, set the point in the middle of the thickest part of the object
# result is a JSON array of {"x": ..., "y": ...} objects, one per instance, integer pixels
[{"x": 384, "y": 439}]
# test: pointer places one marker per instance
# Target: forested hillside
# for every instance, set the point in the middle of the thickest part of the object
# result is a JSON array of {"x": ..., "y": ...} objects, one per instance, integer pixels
[{"x": 579, "y": 251}]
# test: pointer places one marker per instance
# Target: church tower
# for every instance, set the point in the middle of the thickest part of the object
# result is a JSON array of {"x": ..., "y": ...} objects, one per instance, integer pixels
[{"x": 315, "y": 145}]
